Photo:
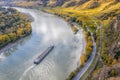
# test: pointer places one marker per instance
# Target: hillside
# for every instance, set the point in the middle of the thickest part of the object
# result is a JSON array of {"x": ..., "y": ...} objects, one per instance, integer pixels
[
  {"x": 91, "y": 13},
  {"x": 72, "y": 4}
]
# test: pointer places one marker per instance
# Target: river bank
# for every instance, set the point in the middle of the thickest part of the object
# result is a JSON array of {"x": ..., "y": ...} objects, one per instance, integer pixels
[
  {"x": 9, "y": 36},
  {"x": 69, "y": 23},
  {"x": 88, "y": 54},
  {"x": 11, "y": 45},
  {"x": 46, "y": 30},
  {"x": 14, "y": 28}
]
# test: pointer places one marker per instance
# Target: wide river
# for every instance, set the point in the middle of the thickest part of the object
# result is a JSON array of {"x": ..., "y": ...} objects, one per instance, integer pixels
[{"x": 16, "y": 63}]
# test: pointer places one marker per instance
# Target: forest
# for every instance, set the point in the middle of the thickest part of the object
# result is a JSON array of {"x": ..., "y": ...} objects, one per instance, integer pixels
[{"x": 13, "y": 26}]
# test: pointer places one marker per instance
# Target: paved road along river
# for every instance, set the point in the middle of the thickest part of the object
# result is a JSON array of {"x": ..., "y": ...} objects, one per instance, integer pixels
[{"x": 16, "y": 63}]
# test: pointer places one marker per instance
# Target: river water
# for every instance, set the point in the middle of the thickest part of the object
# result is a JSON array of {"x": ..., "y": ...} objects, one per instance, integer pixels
[{"x": 16, "y": 63}]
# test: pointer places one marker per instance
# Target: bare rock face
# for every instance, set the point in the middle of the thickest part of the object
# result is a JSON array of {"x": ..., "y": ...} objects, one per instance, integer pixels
[
  {"x": 55, "y": 2},
  {"x": 70, "y": 2},
  {"x": 114, "y": 78},
  {"x": 108, "y": 73},
  {"x": 82, "y": 1},
  {"x": 112, "y": 36},
  {"x": 93, "y": 4},
  {"x": 116, "y": 48},
  {"x": 118, "y": 17},
  {"x": 60, "y": 2}
]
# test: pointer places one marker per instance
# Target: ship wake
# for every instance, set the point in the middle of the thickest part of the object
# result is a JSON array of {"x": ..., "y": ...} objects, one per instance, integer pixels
[{"x": 26, "y": 71}]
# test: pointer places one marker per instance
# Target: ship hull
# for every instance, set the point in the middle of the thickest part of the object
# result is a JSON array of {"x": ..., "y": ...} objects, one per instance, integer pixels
[{"x": 43, "y": 55}]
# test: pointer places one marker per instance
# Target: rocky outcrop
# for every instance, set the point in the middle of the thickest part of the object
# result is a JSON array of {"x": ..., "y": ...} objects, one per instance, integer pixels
[
  {"x": 108, "y": 73},
  {"x": 112, "y": 37},
  {"x": 54, "y": 3}
]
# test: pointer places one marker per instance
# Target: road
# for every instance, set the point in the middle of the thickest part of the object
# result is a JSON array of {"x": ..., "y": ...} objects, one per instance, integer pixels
[{"x": 89, "y": 62}]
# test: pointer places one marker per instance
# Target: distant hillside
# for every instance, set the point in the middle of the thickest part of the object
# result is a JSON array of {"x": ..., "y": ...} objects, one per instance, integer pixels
[
  {"x": 81, "y": 4},
  {"x": 75, "y": 4},
  {"x": 89, "y": 13}
]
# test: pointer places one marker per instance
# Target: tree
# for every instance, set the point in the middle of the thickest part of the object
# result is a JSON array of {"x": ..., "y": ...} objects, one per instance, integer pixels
[
  {"x": 13, "y": 25},
  {"x": 112, "y": 72},
  {"x": 12, "y": 36},
  {"x": 1, "y": 40},
  {"x": 20, "y": 32},
  {"x": 6, "y": 38},
  {"x": 83, "y": 59}
]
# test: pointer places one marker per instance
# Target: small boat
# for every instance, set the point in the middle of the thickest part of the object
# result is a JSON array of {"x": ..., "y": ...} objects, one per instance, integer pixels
[{"x": 43, "y": 55}]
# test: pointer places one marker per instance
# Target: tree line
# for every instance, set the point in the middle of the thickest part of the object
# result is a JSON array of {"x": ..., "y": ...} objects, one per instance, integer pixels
[{"x": 13, "y": 26}]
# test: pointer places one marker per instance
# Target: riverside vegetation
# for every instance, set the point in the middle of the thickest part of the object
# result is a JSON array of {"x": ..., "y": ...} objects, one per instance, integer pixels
[
  {"x": 105, "y": 13},
  {"x": 13, "y": 26},
  {"x": 88, "y": 50},
  {"x": 92, "y": 14}
]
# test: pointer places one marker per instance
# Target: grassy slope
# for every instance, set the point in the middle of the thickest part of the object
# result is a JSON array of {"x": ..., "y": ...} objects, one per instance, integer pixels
[
  {"x": 85, "y": 15},
  {"x": 105, "y": 11}
]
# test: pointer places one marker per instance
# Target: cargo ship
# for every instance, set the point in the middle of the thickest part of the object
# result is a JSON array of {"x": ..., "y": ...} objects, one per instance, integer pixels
[{"x": 43, "y": 55}]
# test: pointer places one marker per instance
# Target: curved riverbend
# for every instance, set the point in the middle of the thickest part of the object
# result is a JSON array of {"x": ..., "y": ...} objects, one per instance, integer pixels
[{"x": 47, "y": 30}]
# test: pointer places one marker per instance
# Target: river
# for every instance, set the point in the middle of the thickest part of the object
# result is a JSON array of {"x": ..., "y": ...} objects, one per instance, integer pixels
[{"x": 16, "y": 63}]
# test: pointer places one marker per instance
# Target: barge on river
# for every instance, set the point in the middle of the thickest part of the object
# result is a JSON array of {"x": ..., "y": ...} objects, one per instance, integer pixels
[{"x": 43, "y": 55}]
